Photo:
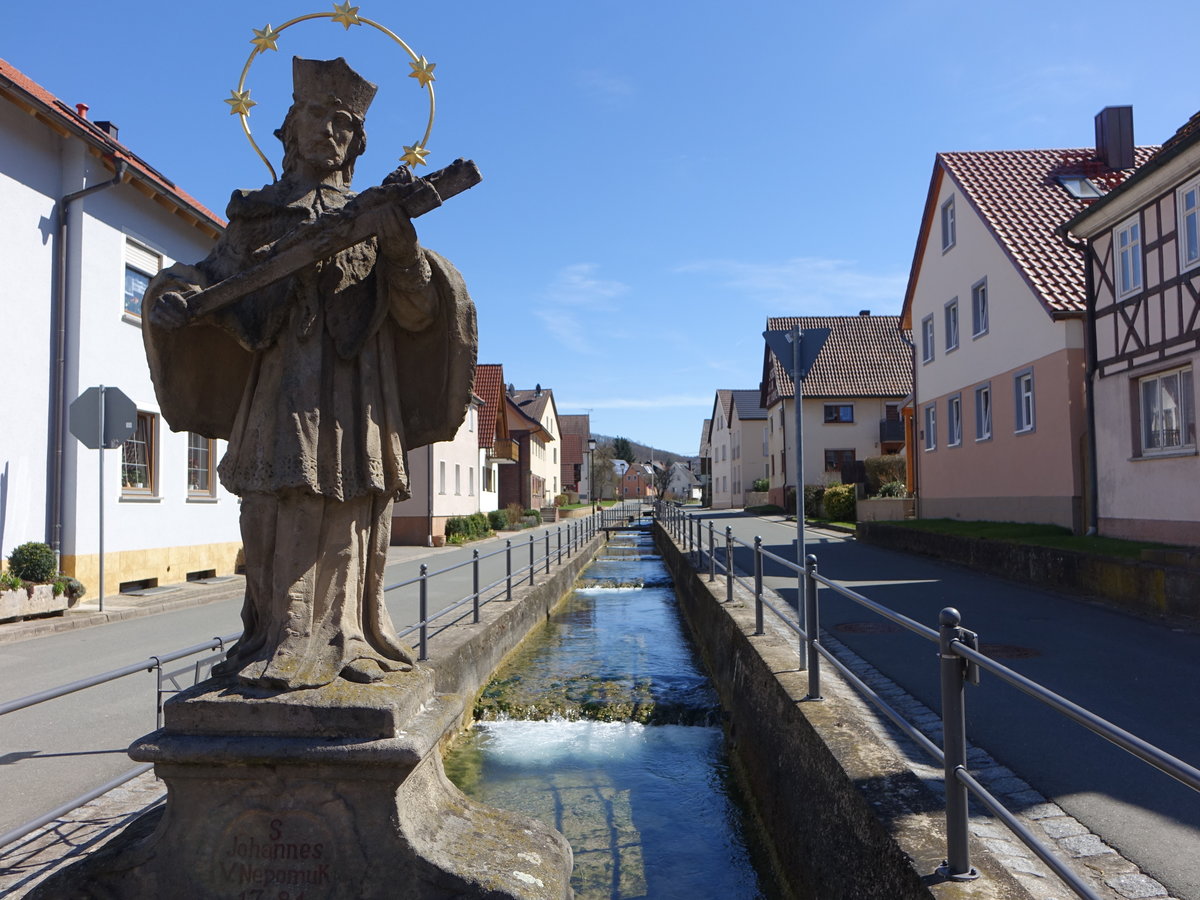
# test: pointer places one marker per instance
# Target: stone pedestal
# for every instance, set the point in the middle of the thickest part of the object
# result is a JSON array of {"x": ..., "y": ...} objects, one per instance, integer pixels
[{"x": 336, "y": 792}]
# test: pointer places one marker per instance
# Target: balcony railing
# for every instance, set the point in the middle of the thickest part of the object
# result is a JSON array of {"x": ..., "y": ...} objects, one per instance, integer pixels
[
  {"x": 891, "y": 431},
  {"x": 505, "y": 450}
]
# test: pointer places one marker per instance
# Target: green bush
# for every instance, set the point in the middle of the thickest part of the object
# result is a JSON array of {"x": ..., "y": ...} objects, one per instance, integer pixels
[
  {"x": 813, "y": 493},
  {"x": 839, "y": 502},
  {"x": 534, "y": 512},
  {"x": 33, "y": 561},
  {"x": 10, "y": 582},
  {"x": 466, "y": 528},
  {"x": 883, "y": 469},
  {"x": 513, "y": 512},
  {"x": 893, "y": 489},
  {"x": 760, "y": 485},
  {"x": 498, "y": 519}
]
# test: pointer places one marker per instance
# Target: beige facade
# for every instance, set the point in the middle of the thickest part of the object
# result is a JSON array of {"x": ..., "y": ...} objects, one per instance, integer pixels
[{"x": 1144, "y": 253}]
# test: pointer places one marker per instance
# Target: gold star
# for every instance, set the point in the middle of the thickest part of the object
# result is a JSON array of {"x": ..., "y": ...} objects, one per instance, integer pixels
[
  {"x": 422, "y": 70},
  {"x": 239, "y": 103},
  {"x": 346, "y": 14},
  {"x": 264, "y": 38},
  {"x": 414, "y": 155}
]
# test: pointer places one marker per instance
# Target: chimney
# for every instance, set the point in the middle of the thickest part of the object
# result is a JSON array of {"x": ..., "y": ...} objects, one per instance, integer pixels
[
  {"x": 1114, "y": 136},
  {"x": 537, "y": 389},
  {"x": 108, "y": 128},
  {"x": 82, "y": 109},
  {"x": 864, "y": 312}
]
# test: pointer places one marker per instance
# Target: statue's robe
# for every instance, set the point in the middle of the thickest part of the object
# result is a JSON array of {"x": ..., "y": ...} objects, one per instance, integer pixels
[{"x": 320, "y": 383}]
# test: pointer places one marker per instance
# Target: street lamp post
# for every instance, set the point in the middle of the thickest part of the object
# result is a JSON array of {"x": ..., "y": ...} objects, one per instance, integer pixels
[{"x": 592, "y": 472}]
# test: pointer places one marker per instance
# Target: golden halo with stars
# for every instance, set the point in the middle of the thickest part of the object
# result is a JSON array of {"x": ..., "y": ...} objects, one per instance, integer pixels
[{"x": 346, "y": 15}]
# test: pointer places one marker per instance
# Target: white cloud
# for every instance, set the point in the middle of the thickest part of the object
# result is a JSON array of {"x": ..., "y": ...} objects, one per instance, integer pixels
[
  {"x": 578, "y": 306},
  {"x": 807, "y": 285},
  {"x": 577, "y": 285},
  {"x": 605, "y": 86}
]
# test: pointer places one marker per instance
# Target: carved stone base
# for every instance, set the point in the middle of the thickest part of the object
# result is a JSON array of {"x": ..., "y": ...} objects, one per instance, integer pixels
[{"x": 336, "y": 792}]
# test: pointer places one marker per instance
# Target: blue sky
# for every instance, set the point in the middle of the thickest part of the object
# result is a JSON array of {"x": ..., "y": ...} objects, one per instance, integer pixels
[{"x": 658, "y": 177}]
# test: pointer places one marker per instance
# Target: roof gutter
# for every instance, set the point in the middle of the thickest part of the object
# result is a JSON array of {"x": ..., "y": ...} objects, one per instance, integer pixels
[
  {"x": 1092, "y": 497},
  {"x": 58, "y": 389}
]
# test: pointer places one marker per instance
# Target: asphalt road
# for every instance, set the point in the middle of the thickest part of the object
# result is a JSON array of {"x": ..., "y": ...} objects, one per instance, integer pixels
[
  {"x": 56, "y": 751},
  {"x": 1139, "y": 675}
]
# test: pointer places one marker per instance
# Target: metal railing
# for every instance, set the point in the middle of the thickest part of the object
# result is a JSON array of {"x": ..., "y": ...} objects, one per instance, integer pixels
[
  {"x": 568, "y": 539},
  {"x": 960, "y": 663}
]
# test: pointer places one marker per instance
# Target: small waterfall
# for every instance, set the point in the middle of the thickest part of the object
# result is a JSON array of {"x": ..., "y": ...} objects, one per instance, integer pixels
[{"x": 604, "y": 725}]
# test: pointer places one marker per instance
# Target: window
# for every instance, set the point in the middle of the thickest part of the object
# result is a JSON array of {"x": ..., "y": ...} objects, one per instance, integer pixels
[
  {"x": 835, "y": 459},
  {"x": 927, "y": 339},
  {"x": 1168, "y": 411},
  {"x": 948, "y": 230},
  {"x": 457, "y": 479},
  {"x": 556, "y": 456},
  {"x": 983, "y": 413},
  {"x": 200, "y": 480},
  {"x": 931, "y": 427},
  {"x": 1023, "y": 387},
  {"x": 765, "y": 451},
  {"x": 954, "y": 421},
  {"x": 137, "y": 457},
  {"x": 1188, "y": 206},
  {"x": 1129, "y": 258},
  {"x": 471, "y": 482},
  {"x": 485, "y": 480},
  {"x": 979, "y": 309},
  {"x": 471, "y": 413},
  {"x": 442, "y": 477},
  {"x": 141, "y": 264},
  {"x": 840, "y": 413},
  {"x": 952, "y": 325}
]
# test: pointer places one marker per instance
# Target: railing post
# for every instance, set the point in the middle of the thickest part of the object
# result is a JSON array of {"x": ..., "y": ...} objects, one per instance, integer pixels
[
  {"x": 712, "y": 559},
  {"x": 957, "y": 866},
  {"x": 423, "y": 611},
  {"x": 547, "y": 551},
  {"x": 560, "y": 545},
  {"x": 508, "y": 568},
  {"x": 813, "y": 627},
  {"x": 758, "y": 585},
  {"x": 475, "y": 582},
  {"x": 531, "y": 563},
  {"x": 728, "y": 563}
]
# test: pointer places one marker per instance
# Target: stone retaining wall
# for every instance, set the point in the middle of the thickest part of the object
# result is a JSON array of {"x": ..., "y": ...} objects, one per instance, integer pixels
[
  {"x": 1135, "y": 585},
  {"x": 843, "y": 813}
]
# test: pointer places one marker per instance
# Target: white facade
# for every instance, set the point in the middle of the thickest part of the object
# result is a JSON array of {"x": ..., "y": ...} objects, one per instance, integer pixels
[
  {"x": 176, "y": 525},
  {"x": 720, "y": 446},
  {"x": 444, "y": 481}
]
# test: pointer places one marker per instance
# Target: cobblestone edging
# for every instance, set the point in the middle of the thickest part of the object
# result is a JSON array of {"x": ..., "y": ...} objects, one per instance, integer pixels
[{"x": 1109, "y": 873}]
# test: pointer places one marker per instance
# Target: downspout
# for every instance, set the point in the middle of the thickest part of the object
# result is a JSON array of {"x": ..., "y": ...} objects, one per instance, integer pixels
[
  {"x": 1089, "y": 331},
  {"x": 916, "y": 450},
  {"x": 58, "y": 389},
  {"x": 429, "y": 521}
]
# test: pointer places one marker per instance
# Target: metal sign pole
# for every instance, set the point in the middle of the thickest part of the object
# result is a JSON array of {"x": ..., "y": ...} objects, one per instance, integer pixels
[
  {"x": 801, "y": 581},
  {"x": 100, "y": 492}
]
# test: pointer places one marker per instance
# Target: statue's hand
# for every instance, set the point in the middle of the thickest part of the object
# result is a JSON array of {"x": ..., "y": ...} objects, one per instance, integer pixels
[
  {"x": 398, "y": 238},
  {"x": 170, "y": 311}
]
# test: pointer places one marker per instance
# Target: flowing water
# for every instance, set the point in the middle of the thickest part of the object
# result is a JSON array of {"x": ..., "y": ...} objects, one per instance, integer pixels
[{"x": 604, "y": 726}]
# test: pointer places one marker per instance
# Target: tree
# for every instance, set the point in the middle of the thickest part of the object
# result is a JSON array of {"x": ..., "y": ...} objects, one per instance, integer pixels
[
  {"x": 605, "y": 477},
  {"x": 662, "y": 479},
  {"x": 623, "y": 449}
]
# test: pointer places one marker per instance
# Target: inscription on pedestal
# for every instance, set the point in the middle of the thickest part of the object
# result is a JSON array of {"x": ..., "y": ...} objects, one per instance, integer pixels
[{"x": 275, "y": 855}]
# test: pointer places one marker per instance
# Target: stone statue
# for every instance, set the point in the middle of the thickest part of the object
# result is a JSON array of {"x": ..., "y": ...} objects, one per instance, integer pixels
[{"x": 320, "y": 380}]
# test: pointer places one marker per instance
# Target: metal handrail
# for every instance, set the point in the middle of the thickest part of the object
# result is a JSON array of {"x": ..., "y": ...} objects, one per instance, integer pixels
[
  {"x": 960, "y": 662},
  {"x": 584, "y": 531}
]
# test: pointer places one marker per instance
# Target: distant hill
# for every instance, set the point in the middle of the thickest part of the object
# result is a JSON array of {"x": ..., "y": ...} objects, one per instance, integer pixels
[{"x": 645, "y": 453}]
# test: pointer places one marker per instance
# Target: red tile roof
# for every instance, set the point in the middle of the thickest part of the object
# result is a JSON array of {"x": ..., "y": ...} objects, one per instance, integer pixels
[
  {"x": 23, "y": 91},
  {"x": 865, "y": 356},
  {"x": 489, "y": 387},
  {"x": 1016, "y": 194}
]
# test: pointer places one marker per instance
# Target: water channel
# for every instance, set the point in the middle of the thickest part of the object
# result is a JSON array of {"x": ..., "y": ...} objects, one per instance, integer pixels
[{"x": 604, "y": 725}]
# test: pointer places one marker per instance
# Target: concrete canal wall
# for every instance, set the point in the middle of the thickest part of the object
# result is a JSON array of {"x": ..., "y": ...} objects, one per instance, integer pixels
[{"x": 840, "y": 808}]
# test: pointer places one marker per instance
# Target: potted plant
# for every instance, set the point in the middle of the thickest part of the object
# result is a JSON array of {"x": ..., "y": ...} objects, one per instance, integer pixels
[{"x": 32, "y": 585}]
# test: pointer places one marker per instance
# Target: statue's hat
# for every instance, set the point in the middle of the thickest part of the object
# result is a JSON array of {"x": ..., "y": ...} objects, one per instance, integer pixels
[{"x": 312, "y": 78}]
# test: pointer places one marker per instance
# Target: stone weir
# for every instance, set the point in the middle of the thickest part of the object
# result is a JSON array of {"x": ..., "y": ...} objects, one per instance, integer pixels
[{"x": 334, "y": 792}]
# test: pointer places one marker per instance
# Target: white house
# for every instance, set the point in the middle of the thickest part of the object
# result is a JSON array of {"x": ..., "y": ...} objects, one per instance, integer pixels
[
  {"x": 85, "y": 224},
  {"x": 720, "y": 441}
]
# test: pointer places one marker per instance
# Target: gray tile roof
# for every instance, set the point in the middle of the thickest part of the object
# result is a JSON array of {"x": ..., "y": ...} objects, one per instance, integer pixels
[{"x": 747, "y": 405}]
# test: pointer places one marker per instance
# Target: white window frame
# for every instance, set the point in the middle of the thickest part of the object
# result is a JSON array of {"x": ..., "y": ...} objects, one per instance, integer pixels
[
  {"x": 979, "y": 308},
  {"x": 457, "y": 480},
  {"x": 202, "y": 452},
  {"x": 1127, "y": 257},
  {"x": 930, "y": 420},
  {"x": 1025, "y": 416},
  {"x": 927, "y": 339},
  {"x": 149, "y": 435},
  {"x": 141, "y": 260},
  {"x": 1188, "y": 217},
  {"x": 1185, "y": 406},
  {"x": 441, "y": 476},
  {"x": 954, "y": 421},
  {"x": 949, "y": 227},
  {"x": 470, "y": 481},
  {"x": 983, "y": 412},
  {"x": 951, "y": 322}
]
